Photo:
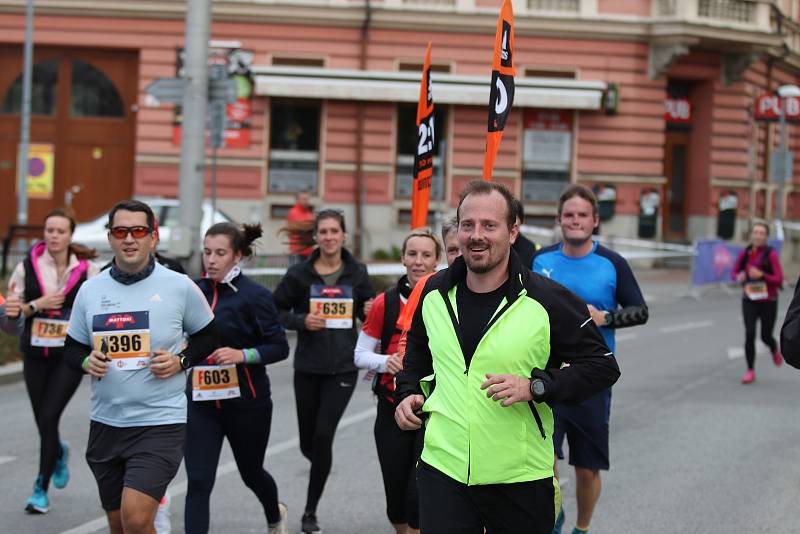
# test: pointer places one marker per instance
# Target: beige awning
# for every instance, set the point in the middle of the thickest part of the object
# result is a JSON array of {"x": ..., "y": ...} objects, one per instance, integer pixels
[{"x": 339, "y": 84}]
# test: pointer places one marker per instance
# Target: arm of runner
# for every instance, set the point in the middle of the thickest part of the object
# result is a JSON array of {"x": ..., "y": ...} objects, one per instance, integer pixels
[
  {"x": 790, "y": 331},
  {"x": 273, "y": 346},
  {"x": 287, "y": 298},
  {"x": 633, "y": 309},
  {"x": 417, "y": 361},
  {"x": 575, "y": 340},
  {"x": 776, "y": 277},
  {"x": 364, "y": 294},
  {"x": 365, "y": 355},
  {"x": 201, "y": 344}
]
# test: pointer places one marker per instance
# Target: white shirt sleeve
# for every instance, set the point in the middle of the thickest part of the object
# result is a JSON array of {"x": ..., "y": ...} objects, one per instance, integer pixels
[{"x": 365, "y": 355}]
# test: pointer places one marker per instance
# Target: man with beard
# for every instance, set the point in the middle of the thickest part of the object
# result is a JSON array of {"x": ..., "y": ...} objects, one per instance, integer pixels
[
  {"x": 604, "y": 280},
  {"x": 484, "y": 361}
]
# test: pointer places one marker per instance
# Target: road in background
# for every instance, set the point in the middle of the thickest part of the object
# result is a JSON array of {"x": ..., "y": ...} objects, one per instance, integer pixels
[{"x": 692, "y": 449}]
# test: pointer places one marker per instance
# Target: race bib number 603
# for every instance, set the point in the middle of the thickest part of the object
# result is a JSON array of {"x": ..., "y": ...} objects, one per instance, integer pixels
[{"x": 124, "y": 338}]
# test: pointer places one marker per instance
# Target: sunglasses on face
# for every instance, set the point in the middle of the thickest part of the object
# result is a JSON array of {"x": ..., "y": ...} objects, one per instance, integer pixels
[{"x": 138, "y": 232}]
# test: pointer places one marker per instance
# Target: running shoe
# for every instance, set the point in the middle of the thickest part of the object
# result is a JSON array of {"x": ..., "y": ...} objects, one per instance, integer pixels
[
  {"x": 38, "y": 503},
  {"x": 309, "y": 525},
  {"x": 559, "y": 522},
  {"x": 777, "y": 357},
  {"x": 749, "y": 377},
  {"x": 61, "y": 472},
  {"x": 282, "y": 527},
  {"x": 576, "y": 530}
]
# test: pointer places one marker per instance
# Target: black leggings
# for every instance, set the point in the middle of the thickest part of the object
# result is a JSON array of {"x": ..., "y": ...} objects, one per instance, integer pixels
[
  {"x": 398, "y": 452},
  {"x": 321, "y": 401},
  {"x": 247, "y": 429},
  {"x": 752, "y": 311},
  {"x": 51, "y": 384}
]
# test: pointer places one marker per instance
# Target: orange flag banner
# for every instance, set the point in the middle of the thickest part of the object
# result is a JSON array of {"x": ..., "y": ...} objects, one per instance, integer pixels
[
  {"x": 501, "y": 96},
  {"x": 423, "y": 159}
]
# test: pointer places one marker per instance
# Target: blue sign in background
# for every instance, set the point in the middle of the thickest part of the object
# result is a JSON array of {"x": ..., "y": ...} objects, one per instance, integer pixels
[{"x": 715, "y": 260}]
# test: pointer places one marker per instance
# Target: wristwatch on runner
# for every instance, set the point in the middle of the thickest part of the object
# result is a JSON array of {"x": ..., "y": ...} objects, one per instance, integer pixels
[
  {"x": 538, "y": 389},
  {"x": 185, "y": 363},
  {"x": 32, "y": 305},
  {"x": 607, "y": 319}
]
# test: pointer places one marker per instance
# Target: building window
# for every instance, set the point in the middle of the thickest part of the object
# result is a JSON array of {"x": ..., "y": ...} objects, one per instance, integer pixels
[
  {"x": 93, "y": 94},
  {"x": 407, "y": 140},
  {"x": 404, "y": 218},
  {"x": 551, "y": 72},
  {"x": 546, "y": 154},
  {"x": 281, "y": 61},
  {"x": 294, "y": 146},
  {"x": 44, "y": 91}
]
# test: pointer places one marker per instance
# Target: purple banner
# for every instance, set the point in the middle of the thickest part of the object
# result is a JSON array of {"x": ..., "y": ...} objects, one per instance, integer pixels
[{"x": 715, "y": 260}]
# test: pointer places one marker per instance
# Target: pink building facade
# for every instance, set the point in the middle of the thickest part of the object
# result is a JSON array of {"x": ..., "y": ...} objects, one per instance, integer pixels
[{"x": 650, "y": 102}]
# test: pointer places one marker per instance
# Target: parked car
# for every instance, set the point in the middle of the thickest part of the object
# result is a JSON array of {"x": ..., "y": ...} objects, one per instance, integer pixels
[{"x": 94, "y": 233}]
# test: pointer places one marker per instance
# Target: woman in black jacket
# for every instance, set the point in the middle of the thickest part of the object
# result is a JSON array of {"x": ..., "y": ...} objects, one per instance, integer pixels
[
  {"x": 230, "y": 396},
  {"x": 321, "y": 298}
]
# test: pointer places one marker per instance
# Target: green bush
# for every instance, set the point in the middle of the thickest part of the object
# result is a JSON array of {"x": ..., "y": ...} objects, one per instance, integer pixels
[{"x": 387, "y": 255}]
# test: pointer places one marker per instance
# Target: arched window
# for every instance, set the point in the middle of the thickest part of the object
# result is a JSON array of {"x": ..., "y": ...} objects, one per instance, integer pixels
[
  {"x": 44, "y": 91},
  {"x": 93, "y": 94}
]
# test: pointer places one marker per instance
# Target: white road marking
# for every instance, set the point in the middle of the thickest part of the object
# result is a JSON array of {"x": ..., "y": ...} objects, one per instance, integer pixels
[
  {"x": 179, "y": 488},
  {"x": 7, "y": 459},
  {"x": 685, "y": 326},
  {"x": 735, "y": 353}
]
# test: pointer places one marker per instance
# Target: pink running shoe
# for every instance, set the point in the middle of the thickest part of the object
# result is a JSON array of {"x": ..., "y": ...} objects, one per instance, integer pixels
[
  {"x": 749, "y": 377},
  {"x": 777, "y": 358}
]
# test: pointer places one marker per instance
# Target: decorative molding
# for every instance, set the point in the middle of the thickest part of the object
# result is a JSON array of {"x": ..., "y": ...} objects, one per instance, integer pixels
[
  {"x": 170, "y": 159},
  {"x": 662, "y": 55},
  {"x": 622, "y": 179},
  {"x": 734, "y": 64}
]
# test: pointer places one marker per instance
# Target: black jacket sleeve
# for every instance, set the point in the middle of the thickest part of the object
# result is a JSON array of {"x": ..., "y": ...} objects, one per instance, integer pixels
[
  {"x": 575, "y": 340},
  {"x": 288, "y": 297},
  {"x": 363, "y": 291},
  {"x": 74, "y": 353},
  {"x": 273, "y": 346},
  {"x": 790, "y": 331},
  {"x": 633, "y": 309},
  {"x": 418, "y": 361},
  {"x": 202, "y": 343}
]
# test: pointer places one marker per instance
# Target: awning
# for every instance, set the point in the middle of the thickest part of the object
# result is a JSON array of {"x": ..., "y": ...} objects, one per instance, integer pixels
[{"x": 339, "y": 84}]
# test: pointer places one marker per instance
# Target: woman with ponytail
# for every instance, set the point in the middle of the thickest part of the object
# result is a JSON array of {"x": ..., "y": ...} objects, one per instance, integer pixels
[
  {"x": 42, "y": 290},
  {"x": 229, "y": 396}
]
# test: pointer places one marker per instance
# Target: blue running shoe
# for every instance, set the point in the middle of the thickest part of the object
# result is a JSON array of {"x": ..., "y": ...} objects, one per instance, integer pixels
[
  {"x": 559, "y": 522},
  {"x": 576, "y": 530},
  {"x": 61, "y": 472},
  {"x": 38, "y": 503}
]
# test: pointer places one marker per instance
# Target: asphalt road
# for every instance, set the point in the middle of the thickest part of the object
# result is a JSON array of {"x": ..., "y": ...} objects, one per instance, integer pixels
[{"x": 692, "y": 449}]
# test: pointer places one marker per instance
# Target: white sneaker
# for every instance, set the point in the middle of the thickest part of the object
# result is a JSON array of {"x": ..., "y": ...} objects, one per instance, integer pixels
[
  {"x": 163, "y": 525},
  {"x": 283, "y": 526}
]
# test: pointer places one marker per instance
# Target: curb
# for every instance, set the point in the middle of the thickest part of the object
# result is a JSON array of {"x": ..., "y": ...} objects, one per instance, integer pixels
[{"x": 10, "y": 373}]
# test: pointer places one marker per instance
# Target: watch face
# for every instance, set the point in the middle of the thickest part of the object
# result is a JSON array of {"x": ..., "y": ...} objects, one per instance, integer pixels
[{"x": 538, "y": 387}]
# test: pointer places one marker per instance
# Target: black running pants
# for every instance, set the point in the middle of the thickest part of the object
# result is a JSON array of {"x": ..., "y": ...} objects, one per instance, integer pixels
[
  {"x": 754, "y": 310},
  {"x": 321, "y": 401},
  {"x": 247, "y": 428},
  {"x": 51, "y": 385}
]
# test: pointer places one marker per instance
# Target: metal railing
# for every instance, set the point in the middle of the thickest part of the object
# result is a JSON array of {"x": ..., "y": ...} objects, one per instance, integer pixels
[{"x": 740, "y": 11}]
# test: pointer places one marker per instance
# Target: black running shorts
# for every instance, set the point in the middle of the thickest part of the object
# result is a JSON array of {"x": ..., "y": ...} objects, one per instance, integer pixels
[{"x": 144, "y": 458}]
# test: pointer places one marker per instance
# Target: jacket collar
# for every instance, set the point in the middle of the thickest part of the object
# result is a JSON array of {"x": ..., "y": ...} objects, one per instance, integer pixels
[
  {"x": 457, "y": 274},
  {"x": 348, "y": 261}
]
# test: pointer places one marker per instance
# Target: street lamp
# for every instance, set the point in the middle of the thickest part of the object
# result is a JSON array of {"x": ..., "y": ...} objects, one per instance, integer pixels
[{"x": 785, "y": 92}]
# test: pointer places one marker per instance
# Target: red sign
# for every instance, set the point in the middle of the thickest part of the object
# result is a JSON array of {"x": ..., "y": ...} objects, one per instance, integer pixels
[
  {"x": 678, "y": 110},
  {"x": 768, "y": 108},
  {"x": 551, "y": 120}
]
